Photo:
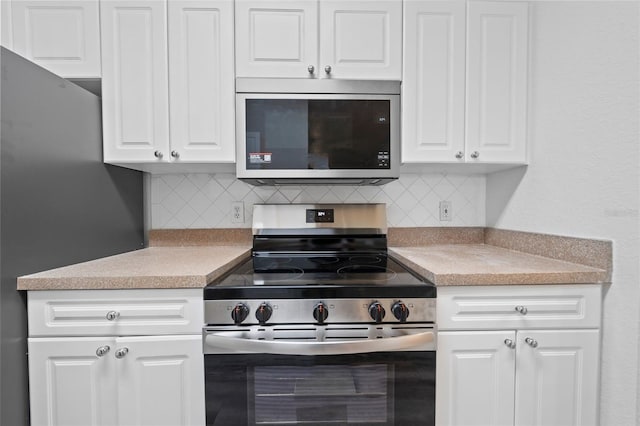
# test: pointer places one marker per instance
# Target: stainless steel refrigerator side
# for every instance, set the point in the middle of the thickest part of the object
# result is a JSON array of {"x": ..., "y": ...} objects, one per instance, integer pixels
[{"x": 59, "y": 203}]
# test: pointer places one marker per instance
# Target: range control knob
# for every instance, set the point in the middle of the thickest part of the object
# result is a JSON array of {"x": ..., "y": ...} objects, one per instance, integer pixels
[
  {"x": 320, "y": 313},
  {"x": 263, "y": 313},
  {"x": 376, "y": 311},
  {"x": 400, "y": 311},
  {"x": 239, "y": 313}
]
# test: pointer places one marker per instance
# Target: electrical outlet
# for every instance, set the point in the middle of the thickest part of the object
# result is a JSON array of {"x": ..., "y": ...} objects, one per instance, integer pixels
[
  {"x": 237, "y": 212},
  {"x": 445, "y": 211}
]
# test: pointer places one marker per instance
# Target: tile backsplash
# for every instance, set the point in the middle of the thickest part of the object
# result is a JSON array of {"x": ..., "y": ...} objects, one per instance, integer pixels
[{"x": 204, "y": 200}]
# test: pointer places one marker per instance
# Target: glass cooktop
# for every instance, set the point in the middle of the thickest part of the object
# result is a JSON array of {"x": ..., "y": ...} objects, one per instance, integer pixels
[{"x": 297, "y": 275}]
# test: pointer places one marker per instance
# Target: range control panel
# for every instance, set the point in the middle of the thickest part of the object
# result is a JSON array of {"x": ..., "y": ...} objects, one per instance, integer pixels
[
  {"x": 320, "y": 215},
  {"x": 309, "y": 311}
]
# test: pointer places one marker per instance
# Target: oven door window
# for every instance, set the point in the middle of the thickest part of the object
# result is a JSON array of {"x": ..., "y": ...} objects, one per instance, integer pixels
[
  {"x": 372, "y": 389},
  {"x": 301, "y": 134}
]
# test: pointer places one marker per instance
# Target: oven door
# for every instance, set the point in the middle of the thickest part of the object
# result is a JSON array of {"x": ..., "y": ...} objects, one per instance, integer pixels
[{"x": 385, "y": 376}]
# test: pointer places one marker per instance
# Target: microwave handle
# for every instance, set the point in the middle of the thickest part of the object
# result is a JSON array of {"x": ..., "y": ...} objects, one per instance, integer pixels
[{"x": 230, "y": 340}]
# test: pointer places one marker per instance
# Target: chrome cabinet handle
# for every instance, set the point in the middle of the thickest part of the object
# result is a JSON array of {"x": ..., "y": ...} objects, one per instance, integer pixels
[
  {"x": 103, "y": 350},
  {"x": 112, "y": 315},
  {"x": 475, "y": 154},
  {"x": 327, "y": 69},
  {"x": 510, "y": 343},
  {"x": 522, "y": 309},
  {"x": 531, "y": 342},
  {"x": 158, "y": 154},
  {"x": 311, "y": 69},
  {"x": 122, "y": 352},
  {"x": 175, "y": 154},
  {"x": 234, "y": 340},
  {"x": 459, "y": 154}
]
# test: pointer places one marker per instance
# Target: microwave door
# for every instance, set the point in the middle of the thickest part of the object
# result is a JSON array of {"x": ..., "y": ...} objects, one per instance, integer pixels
[{"x": 290, "y": 136}]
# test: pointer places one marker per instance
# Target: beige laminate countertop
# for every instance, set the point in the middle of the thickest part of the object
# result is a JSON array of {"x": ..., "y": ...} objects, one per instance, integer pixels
[
  {"x": 197, "y": 266},
  {"x": 153, "y": 267},
  {"x": 482, "y": 264}
]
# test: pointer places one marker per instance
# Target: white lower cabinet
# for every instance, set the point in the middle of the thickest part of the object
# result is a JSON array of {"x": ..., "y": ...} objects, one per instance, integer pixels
[
  {"x": 161, "y": 381},
  {"x": 150, "y": 380},
  {"x": 69, "y": 384},
  {"x": 536, "y": 373},
  {"x": 557, "y": 377},
  {"x": 475, "y": 378}
]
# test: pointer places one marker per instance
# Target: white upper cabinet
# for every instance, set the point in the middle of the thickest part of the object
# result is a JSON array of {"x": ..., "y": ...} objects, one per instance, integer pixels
[
  {"x": 201, "y": 81},
  {"x": 328, "y": 39},
  {"x": 276, "y": 38},
  {"x": 361, "y": 39},
  {"x": 135, "y": 105},
  {"x": 168, "y": 82},
  {"x": 433, "y": 98},
  {"x": 464, "y": 88},
  {"x": 6, "y": 33},
  {"x": 61, "y": 36},
  {"x": 497, "y": 41}
]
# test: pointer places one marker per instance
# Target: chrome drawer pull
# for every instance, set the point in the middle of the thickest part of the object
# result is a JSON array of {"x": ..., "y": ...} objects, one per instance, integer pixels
[
  {"x": 112, "y": 315},
  {"x": 522, "y": 309},
  {"x": 122, "y": 352},
  {"x": 103, "y": 350}
]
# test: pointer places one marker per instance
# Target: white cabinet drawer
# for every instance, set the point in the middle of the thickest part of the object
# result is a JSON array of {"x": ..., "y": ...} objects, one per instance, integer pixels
[
  {"x": 131, "y": 312},
  {"x": 520, "y": 307}
]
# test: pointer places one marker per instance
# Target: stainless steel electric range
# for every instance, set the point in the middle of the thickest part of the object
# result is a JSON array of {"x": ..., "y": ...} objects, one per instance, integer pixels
[{"x": 320, "y": 326}]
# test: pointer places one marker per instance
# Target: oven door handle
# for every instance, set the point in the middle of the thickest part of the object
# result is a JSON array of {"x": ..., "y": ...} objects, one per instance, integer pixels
[{"x": 233, "y": 340}]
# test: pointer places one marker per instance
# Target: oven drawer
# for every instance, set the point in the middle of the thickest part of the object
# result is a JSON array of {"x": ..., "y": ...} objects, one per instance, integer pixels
[
  {"x": 521, "y": 307},
  {"x": 115, "y": 312}
]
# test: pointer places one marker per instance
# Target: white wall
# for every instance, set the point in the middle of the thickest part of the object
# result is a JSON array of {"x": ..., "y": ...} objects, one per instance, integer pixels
[
  {"x": 584, "y": 173},
  {"x": 204, "y": 200}
]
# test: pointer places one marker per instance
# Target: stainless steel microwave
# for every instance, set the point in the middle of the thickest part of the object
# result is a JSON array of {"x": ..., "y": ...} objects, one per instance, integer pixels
[{"x": 317, "y": 131}]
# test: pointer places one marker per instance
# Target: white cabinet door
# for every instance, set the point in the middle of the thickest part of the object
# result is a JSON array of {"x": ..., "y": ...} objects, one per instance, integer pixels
[
  {"x": 61, "y": 36},
  {"x": 433, "y": 94},
  {"x": 276, "y": 38},
  {"x": 497, "y": 53},
  {"x": 202, "y": 94},
  {"x": 557, "y": 377},
  {"x": 354, "y": 39},
  {"x": 361, "y": 39},
  {"x": 161, "y": 381},
  {"x": 69, "y": 384},
  {"x": 134, "y": 80},
  {"x": 475, "y": 377},
  {"x": 6, "y": 32}
]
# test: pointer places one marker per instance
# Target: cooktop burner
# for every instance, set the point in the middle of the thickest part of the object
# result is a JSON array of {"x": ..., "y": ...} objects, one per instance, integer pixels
[{"x": 367, "y": 272}]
